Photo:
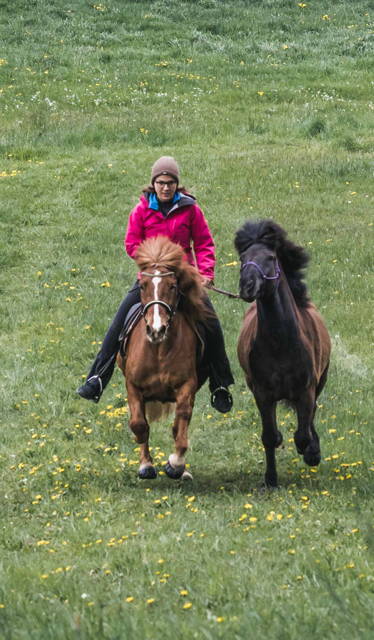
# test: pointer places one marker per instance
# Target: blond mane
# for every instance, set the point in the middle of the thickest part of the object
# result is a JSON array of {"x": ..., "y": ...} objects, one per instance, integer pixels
[{"x": 160, "y": 252}]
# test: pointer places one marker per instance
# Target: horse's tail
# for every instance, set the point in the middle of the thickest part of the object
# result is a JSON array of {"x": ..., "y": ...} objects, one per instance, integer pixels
[{"x": 157, "y": 410}]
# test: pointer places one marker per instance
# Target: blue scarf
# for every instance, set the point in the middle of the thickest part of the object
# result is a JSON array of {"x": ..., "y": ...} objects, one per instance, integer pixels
[{"x": 154, "y": 203}]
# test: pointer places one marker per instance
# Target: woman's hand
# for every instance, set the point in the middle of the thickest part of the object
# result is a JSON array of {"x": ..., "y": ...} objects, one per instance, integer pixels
[{"x": 207, "y": 283}]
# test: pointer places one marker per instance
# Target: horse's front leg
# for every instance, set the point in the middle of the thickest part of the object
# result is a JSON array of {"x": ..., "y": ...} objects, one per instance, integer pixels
[
  {"x": 140, "y": 428},
  {"x": 176, "y": 464},
  {"x": 306, "y": 437},
  {"x": 271, "y": 438}
]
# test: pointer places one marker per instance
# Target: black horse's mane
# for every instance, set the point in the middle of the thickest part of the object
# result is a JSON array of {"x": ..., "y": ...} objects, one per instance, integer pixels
[{"x": 293, "y": 258}]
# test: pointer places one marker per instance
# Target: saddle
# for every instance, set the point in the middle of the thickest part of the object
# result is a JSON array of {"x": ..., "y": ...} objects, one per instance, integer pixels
[{"x": 131, "y": 320}]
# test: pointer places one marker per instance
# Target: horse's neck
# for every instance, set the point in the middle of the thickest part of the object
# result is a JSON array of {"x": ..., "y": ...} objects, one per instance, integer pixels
[{"x": 277, "y": 316}]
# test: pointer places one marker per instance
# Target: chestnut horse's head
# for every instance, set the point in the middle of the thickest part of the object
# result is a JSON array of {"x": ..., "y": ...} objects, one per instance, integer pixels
[
  {"x": 165, "y": 276},
  {"x": 159, "y": 296}
]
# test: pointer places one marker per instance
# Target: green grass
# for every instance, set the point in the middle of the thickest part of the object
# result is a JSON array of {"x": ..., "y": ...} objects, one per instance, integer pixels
[{"x": 268, "y": 108}]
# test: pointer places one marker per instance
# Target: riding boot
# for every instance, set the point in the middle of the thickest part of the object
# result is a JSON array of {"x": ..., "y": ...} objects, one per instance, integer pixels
[
  {"x": 103, "y": 366},
  {"x": 220, "y": 375}
]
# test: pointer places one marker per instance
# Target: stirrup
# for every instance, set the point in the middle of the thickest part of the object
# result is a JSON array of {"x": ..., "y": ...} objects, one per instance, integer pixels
[{"x": 96, "y": 377}]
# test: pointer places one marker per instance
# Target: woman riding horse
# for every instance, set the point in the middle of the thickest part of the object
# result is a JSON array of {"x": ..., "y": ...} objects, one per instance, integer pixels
[
  {"x": 162, "y": 365},
  {"x": 167, "y": 209}
]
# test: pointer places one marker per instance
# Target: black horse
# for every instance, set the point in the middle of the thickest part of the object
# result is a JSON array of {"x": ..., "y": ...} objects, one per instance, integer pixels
[{"x": 284, "y": 347}]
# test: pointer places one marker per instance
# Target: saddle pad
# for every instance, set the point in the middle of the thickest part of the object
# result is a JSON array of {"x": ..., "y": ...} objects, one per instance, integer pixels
[{"x": 131, "y": 320}]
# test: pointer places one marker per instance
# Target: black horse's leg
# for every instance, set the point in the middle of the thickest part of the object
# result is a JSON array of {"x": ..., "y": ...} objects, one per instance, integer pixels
[
  {"x": 271, "y": 438},
  {"x": 306, "y": 437}
]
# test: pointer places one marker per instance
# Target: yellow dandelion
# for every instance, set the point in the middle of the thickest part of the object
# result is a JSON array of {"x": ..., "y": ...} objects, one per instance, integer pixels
[{"x": 187, "y": 605}]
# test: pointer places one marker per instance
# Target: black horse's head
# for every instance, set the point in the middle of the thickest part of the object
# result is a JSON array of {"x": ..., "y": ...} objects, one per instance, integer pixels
[
  {"x": 265, "y": 251},
  {"x": 259, "y": 272}
]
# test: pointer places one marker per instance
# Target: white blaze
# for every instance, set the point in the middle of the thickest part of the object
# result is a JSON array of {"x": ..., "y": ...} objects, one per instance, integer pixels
[{"x": 157, "y": 324}]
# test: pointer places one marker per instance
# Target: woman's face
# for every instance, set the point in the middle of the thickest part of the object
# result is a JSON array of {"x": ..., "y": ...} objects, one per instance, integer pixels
[{"x": 165, "y": 187}]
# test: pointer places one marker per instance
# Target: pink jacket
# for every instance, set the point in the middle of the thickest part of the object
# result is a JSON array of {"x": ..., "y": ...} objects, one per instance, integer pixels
[{"x": 185, "y": 224}]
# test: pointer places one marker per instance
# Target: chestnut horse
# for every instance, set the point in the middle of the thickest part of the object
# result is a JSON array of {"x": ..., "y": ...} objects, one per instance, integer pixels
[
  {"x": 284, "y": 347},
  {"x": 160, "y": 360}
]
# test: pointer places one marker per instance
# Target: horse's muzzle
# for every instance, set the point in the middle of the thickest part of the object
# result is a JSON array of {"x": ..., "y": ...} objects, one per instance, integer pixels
[
  {"x": 249, "y": 290},
  {"x": 156, "y": 335}
]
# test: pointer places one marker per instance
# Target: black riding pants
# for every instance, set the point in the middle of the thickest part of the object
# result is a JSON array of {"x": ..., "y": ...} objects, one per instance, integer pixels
[{"x": 219, "y": 366}]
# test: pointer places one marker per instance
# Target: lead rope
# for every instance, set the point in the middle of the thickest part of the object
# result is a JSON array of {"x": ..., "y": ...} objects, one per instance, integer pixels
[{"x": 223, "y": 292}]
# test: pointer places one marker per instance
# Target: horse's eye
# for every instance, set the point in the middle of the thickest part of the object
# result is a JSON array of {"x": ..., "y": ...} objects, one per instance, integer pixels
[
  {"x": 142, "y": 287},
  {"x": 173, "y": 286}
]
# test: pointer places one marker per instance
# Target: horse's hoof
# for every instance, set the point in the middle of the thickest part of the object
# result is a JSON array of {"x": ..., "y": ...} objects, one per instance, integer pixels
[
  {"x": 172, "y": 472},
  {"x": 312, "y": 459},
  {"x": 187, "y": 475},
  {"x": 270, "y": 483},
  {"x": 147, "y": 473}
]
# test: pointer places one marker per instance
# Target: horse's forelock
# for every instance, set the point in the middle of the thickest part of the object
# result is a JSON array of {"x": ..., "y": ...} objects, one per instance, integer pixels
[
  {"x": 159, "y": 252},
  {"x": 264, "y": 231}
]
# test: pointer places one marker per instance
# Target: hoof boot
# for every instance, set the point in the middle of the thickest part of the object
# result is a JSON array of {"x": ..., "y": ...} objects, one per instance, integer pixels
[
  {"x": 147, "y": 473},
  {"x": 174, "y": 473}
]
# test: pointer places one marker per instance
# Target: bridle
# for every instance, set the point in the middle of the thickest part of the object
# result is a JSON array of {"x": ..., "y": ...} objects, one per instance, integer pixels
[
  {"x": 171, "y": 310},
  {"x": 260, "y": 270}
]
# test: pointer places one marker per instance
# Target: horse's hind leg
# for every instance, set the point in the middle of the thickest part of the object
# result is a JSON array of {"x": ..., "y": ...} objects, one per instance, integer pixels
[
  {"x": 140, "y": 428},
  {"x": 176, "y": 464},
  {"x": 306, "y": 437},
  {"x": 271, "y": 438}
]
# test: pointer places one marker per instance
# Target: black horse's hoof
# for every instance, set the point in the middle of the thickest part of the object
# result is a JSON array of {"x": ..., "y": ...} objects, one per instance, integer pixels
[
  {"x": 147, "y": 473},
  {"x": 312, "y": 459},
  {"x": 270, "y": 483},
  {"x": 174, "y": 473}
]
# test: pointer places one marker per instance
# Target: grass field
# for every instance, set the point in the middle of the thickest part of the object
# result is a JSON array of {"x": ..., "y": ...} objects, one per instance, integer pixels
[{"x": 268, "y": 107}]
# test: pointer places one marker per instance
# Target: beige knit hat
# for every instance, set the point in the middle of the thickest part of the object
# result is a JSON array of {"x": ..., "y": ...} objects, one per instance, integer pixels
[{"x": 166, "y": 165}]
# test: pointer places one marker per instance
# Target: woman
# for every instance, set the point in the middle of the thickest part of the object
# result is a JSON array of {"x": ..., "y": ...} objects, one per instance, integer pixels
[{"x": 167, "y": 209}]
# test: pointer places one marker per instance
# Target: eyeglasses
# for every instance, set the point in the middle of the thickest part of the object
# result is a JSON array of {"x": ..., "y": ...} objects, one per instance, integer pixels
[{"x": 163, "y": 184}]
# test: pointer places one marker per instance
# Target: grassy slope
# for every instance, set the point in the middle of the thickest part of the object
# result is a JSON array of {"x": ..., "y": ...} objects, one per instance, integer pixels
[{"x": 267, "y": 106}]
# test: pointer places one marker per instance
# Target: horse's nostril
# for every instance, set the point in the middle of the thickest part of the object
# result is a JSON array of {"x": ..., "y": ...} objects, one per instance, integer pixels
[{"x": 149, "y": 330}]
